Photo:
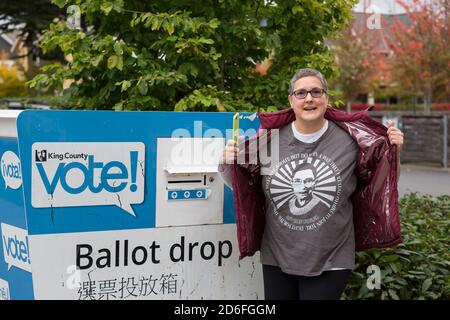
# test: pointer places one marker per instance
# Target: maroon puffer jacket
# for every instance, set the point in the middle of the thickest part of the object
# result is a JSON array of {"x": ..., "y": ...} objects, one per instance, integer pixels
[{"x": 375, "y": 200}]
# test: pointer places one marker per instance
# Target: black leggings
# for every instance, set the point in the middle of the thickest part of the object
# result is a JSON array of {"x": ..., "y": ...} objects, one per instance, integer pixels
[{"x": 282, "y": 286}]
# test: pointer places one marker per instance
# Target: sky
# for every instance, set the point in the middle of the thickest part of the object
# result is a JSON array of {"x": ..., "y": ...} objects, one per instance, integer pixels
[{"x": 380, "y": 6}]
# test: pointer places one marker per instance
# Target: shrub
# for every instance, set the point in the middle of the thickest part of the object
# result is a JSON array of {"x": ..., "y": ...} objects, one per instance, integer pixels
[
  {"x": 418, "y": 268},
  {"x": 11, "y": 83}
]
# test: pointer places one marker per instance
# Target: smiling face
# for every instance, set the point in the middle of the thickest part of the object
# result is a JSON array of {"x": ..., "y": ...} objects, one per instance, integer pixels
[{"x": 309, "y": 110}]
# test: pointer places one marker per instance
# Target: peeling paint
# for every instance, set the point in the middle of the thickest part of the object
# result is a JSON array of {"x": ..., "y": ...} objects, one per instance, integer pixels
[
  {"x": 89, "y": 274},
  {"x": 52, "y": 211},
  {"x": 117, "y": 194},
  {"x": 196, "y": 287},
  {"x": 181, "y": 288},
  {"x": 141, "y": 164},
  {"x": 118, "y": 198},
  {"x": 251, "y": 274}
]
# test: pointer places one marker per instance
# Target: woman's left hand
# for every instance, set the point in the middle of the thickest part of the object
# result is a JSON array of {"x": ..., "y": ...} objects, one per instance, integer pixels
[{"x": 395, "y": 135}]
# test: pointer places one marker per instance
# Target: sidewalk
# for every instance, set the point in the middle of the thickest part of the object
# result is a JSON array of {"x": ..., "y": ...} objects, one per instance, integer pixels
[
  {"x": 424, "y": 180},
  {"x": 424, "y": 167}
]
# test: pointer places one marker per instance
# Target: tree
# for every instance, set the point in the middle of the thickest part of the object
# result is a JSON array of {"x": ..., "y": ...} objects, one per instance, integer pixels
[
  {"x": 421, "y": 49},
  {"x": 29, "y": 17},
  {"x": 188, "y": 55},
  {"x": 12, "y": 83},
  {"x": 358, "y": 59}
]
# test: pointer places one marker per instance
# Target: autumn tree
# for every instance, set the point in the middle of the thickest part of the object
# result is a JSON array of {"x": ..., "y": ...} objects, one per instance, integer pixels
[
  {"x": 421, "y": 52},
  {"x": 358, "y": 53},
  {"x": 12, "y": 82},
  {"x": 188, "y": 55}
]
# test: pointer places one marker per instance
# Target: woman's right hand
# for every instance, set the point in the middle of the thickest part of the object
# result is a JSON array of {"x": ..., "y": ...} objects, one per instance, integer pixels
[{"x": 230, "y": 152}]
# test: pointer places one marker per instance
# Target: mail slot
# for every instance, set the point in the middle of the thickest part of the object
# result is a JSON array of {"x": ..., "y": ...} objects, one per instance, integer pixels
[{"x": 187, "y": 177}]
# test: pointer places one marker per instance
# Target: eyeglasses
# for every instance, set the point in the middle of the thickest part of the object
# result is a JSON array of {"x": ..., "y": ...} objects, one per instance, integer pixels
[
  {"x": 302, "y": 93},
  {"x": 307, "y": 180}
]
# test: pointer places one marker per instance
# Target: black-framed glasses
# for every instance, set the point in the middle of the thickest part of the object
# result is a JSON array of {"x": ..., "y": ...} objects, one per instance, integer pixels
[{"x": 302, "y": 93}]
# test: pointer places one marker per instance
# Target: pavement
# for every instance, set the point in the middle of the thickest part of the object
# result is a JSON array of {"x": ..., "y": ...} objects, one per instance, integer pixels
[{"x": 424, "y": 180}]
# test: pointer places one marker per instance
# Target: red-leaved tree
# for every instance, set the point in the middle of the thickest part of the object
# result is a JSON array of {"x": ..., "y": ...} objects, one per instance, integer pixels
[
  {"x": 421, "y": 54},
  {"x": 359, "y": 57}
]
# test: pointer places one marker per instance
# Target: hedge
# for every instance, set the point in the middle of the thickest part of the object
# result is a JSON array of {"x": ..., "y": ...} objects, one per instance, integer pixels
[{"x": 418, "y": 268}]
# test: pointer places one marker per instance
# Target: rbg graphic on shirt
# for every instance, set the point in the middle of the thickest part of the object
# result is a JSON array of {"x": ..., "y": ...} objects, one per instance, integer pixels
[{"x": 299, "y": 185}]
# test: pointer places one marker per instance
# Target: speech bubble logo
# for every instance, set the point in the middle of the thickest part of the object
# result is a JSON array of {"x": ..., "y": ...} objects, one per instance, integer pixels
[
  {"x": 88, "y": 174},
  {"x": 4, "y": 290},
  {"x": 11, "y": 170},
  {"x": 15, "y": 247}
]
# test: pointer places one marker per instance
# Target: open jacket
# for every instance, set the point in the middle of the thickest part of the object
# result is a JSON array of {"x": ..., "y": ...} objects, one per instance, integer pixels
[{"x": 375, "y": 200}]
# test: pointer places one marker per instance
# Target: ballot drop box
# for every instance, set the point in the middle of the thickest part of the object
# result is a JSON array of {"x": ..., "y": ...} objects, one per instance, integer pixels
[{"x": 100, "y": 205}]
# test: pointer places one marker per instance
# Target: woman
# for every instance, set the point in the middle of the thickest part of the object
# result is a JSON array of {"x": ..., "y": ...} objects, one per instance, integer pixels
[{"x": 307, "y": 248}]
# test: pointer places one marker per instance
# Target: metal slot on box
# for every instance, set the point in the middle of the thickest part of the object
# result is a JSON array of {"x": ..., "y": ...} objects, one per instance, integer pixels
[
  {"x": 189, "y": 183},
  {"x": 188, "y": 193}
]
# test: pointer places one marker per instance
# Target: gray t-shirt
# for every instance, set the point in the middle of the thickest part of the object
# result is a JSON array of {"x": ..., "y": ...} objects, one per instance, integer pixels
[{"x": 309, "y": 216}]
